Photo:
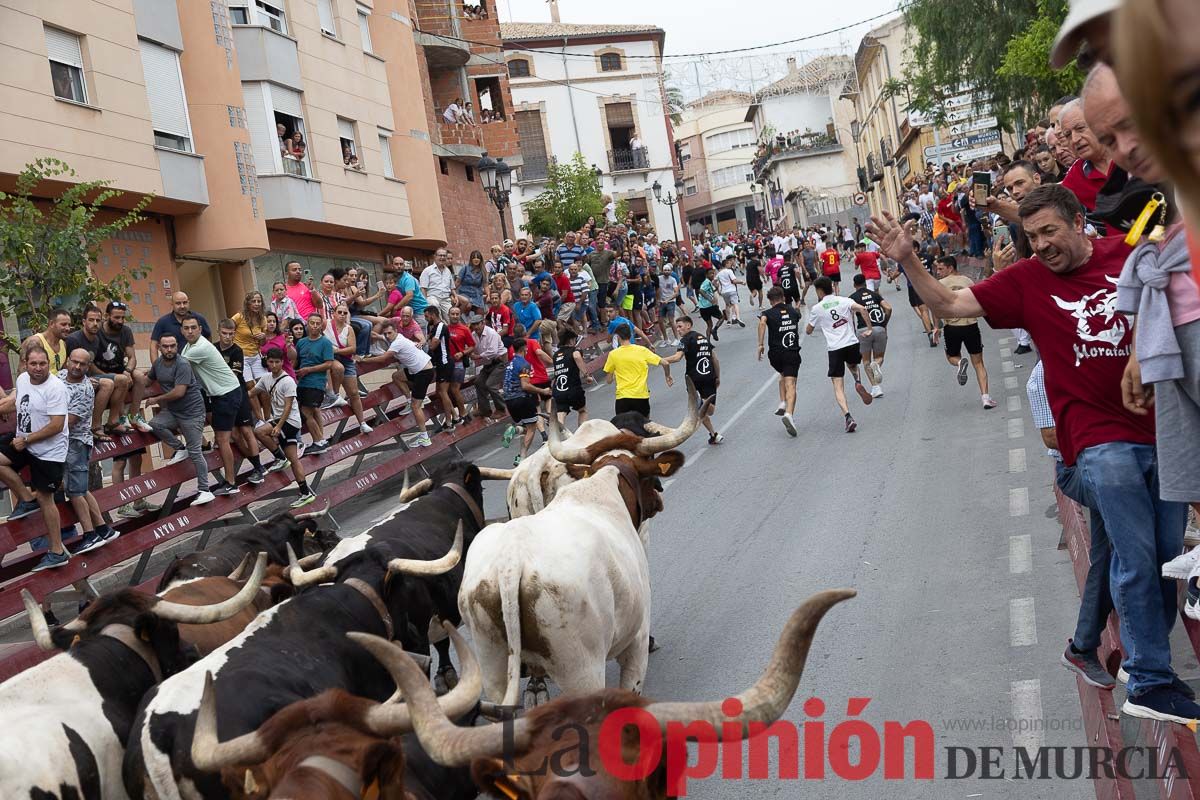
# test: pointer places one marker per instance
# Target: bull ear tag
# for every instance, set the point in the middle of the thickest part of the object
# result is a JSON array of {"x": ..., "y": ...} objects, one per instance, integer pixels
[
  {"x": 504, "y": 785},
  {"x": 372, "y": 791},
  {"x": 664, "y": 467}
]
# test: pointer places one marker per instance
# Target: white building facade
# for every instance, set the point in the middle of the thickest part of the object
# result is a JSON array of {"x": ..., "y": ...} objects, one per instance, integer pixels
[
  {"x": 595, "y": 90},
  {"x": 716, "y": 151}
]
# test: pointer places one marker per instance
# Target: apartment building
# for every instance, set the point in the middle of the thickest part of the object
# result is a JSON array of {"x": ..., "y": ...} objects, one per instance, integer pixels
[
  {"x": 716, "y": 148},
  {"x": 595, "y": 90},
  {"x": 265, "y": 130}
]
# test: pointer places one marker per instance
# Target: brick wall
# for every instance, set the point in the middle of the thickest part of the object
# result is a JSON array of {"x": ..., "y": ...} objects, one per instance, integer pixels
[{"x": 471, "y": 219}]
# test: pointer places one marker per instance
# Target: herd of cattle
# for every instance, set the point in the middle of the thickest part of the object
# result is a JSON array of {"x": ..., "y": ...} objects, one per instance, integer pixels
[{"x": 255, "y": 672}]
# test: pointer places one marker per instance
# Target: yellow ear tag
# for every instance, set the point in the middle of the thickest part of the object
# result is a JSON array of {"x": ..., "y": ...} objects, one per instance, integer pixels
[
  {"x": 372, "y": 791},
  {"x": 665, "y": 468},
  {"x": 506, "y": 790},
  {"x": 74, "y": 642},
  {"x": 1139, "y": 226}
]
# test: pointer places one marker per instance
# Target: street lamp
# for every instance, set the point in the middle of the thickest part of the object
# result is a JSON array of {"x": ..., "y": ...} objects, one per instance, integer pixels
[
  {"x": 670, "y": 202},
  {"x": 496, "y": 177}
]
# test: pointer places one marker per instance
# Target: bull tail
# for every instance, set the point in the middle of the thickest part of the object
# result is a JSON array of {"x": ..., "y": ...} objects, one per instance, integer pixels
[{"x": 510, "y": 611}]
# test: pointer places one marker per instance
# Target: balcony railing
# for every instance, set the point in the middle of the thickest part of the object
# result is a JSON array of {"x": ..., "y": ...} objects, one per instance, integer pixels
[
  {"x": 293, "y": 166},
  {"x": 792, "y": 144},
  {"x": 628, "y": 159},
  {"x": 535, "y": 168}
]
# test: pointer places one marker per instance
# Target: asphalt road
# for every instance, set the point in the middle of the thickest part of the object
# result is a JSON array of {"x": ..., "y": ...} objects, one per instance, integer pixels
[{"x": 937, "y": 512}]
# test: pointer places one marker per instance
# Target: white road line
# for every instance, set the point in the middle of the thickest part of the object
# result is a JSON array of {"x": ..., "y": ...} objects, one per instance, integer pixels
[
  {"x": 1016, "y": 427},
  {"x": 1014, "y": 402},
  {"x": 1016, "y": 459},
  {"x": 1011, "y": 382},
  {"x": 1029, "y": 730},
  {"x": 1020, "y": 554},
  {"x": 1005, "y": 352},
  {"x": 490, "y": 453},
  {"x": 1007, "y": 366},
  {"x": 1018, "y": 502},
  {"x": 728, "y": 424},
  {"x": 1022, "y": 622}
]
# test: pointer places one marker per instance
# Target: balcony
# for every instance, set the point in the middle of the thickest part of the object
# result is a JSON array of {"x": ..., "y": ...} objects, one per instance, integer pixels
[
  {"x": 442, "y": 53},
  {"x": 267, "y": 55},
  {"x": 459, "y": 143},
  {"x": 291, "y": 197},
  {"x": 804, "y": 144},
  {"x": 626, "y": 160},
  {"x": 182, "y": 175}
]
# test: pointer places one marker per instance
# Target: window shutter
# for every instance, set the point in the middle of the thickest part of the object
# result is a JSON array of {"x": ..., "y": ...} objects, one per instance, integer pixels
[
  {"x": 385, "y": 153},
  {"x": 325, "y": 9},
  {"x": 263, "y": 139},
  {"x": 619, "y": 115},
  {"x": 364, "y": 28},
  {"x": 63, "y": 47},
  {"x": 286, "y": 101},
  {"x": 529, "y": 134},
  {"x": 346, "y": 129},
  {"x": 168, "y": 108}
]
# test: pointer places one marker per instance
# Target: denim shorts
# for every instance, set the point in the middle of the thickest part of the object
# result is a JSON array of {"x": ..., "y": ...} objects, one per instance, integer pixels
[{"x": 79, "y": 456}]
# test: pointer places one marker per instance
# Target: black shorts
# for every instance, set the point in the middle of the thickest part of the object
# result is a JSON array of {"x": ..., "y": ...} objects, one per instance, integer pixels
[
  {"x": 310, "y": 397},
  {"x": 810, "y": 273},
  {"x": 288, "y": 434},
  {"x": 44, "y": 476},
  {"x": 838, "y": 359},
  {"x": 955, "y": 336},
  {"x": 914, "y": 299},
  {"x": 571, "y": 400},
  {"x": 640, "y": 404},
  {"x": 791, "y": 295},
  {"x": 227, "y": 409},
  {"x": 523, "y": 410},
  {"x": 785, "y": 362},
  {"x": 637, "y": 301},
  {"x": 706, "y": 389},
  {"x": 419, "y": 383},
  {"x": 710, "y": 313},
  {"x": 444, "y": 373},
  {"x": 836, "y": 277}
]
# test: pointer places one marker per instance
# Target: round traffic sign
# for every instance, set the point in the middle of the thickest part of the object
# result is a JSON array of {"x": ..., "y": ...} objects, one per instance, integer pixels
[{"x": 860, "y": 199}]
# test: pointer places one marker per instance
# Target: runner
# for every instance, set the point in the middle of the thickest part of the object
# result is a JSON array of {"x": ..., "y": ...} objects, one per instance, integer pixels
[
  {"x": 874, "y": 343},
  {"x": 868, "y": 264},
  {"x": 754, "y": 280},
  {"x": 961, "y": 331},
  {"x": 567, "y": 383},
  {"x": 727, "y": 282},
  {"x": 832, "y": 315},
  {"x": 668, "y": 301},
  {"x": 789, "y": 282},
  {"x": 707, "y": 301},
  {"x": 702, "y": 367},
  {"x": 521, "y": 397},
  {"x": 782, "y": 322},
  {"x": 630, "y": 366},
  {"x": 808, "y": 272},
  {"x": 831, "y": 265}
]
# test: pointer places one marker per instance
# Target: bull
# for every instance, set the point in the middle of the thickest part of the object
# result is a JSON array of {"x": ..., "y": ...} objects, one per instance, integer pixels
[
  {"x": 66, "y": 720},
  {"x": 510, "y": 759},
  {"x": 337, "y": 746},
  {"x": 291, "y": 652},
  {"x": 568, "y": 588}
]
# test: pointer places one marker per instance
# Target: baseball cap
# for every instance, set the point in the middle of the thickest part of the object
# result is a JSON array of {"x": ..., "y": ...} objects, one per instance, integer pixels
[
  {"x": 508, "y": 242},
  {"x": 1081, "y": 12}
]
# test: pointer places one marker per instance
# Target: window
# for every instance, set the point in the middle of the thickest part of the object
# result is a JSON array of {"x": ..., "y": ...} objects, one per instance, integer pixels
[
  {"x": 443, "y": 167},
  {"x": 470, "y": 173},
  {"x": 729, "y": 140},
  {"x": 271, "y": 16},
  {"x": 364, "y": 16},
  {"x": 239, "y": 14},
  {"x": 689, "y": 187},
  {"x": 610, "y": 62},
  {"x": 164, "y": 88},
  {"x": 385, "y": 152},
  {"x": 532, "y": 141},
  {"x": 518, "y": 68},
  {"x": 278, "y": 137},
  {"x": 348, "y": 144},
  {"x": 685, "y": 152},
  {"x": 66, "y": 65},
  {"x": 325, "y": 11},
  {"x": 730, "y": 176}
]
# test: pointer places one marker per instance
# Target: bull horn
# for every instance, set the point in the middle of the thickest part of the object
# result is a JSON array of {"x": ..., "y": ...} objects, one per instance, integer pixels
[
  {"x": 438, "y": 566},
  {"x": 567, "y": 454},
  {"x": 322, "y": 511},
  {"x": 391, "y": 719},
  {"x": 767, "y": 699},
  {"x": 240, "y": 569},
  {"x": 209, "y": 754},
  {"x": 301, "y": 576},
  {"x": 493, "y": 474},
  {"x": 37, "y": 621},
  {"x": 215, "y": 612},
  {"x": 673, "y": 437},
  {"x": 409, "y": 493},
  {"x": 446, "y": 743}
]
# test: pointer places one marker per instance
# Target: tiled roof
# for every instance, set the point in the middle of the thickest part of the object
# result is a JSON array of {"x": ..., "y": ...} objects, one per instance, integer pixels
[
  {"x": 812, "y": 76},
  {"x": 527, "y": 31}
]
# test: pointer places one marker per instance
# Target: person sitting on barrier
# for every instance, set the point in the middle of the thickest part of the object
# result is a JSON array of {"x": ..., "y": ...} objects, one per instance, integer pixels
[
  {"x": 491, "y": 356},
  {"x": 279, "y": 337},
  {"x": 88, "y": 338},
  {"x": 407, "y": 327},
  {"x": 180, "y": 408},
  {"x": 342, "y": 335},
  {"x": 442, "y": 357},
  {"x": 82, "y": 398},
  {"x": 281, "y": 435},
  {"x": 314, "y": 360},
  {"x": 414, "y": 372},
  {"x": 235, "y": 356}
]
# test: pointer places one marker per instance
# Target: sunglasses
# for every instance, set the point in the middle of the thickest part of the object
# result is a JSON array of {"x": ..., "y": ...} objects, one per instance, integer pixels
[{"x": 118, "y": 305}]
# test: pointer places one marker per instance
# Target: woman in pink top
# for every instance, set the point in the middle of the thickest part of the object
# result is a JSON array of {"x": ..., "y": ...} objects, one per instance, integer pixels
[{"x": 282, "y": 340}]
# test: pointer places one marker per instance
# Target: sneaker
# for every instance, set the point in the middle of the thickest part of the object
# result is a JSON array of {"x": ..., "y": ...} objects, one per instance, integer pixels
[
  {"x": 851, "y": 425},
  {"x": 877, "y": 391},
  {"x": 303, "y": 500},
  {"x": 91, "y": 541},
  {"x": 108, "y": 534},
  {"x": 316, "y": 448},
  {"x": 715, "y": 438},
  {"x": 142, "y": 507},
  {"x": 128, "y": 511},
  {"x": 1087, "y": 666},
  {"x": 24, "y": 509},
  {"x": 789, "y": 424},
  {"x": 988, "y": 402},
  {"x": 1181, "y": 567},
  {"x": 179, "y": 457},
  {"x": 1022, "y": 350},
  {"x": 509, "y": 433},
  {"x": 365, "y": 428},
  {"x": 422, "y": 440},
  {"x": 362, "y": 391},
  {"x": 714, "y": 337},
  {"x": 339, "y": 402},
  {"x": 203, "y": 498},
  {"x": 961, "y": 371},
  {"x": 256, "y": 477},
  {"x": 863, "y": 394},
  {"x": 516, "y": 461},
  {"x": 52, "y": 561},
  {"x": 1165, "y": 703},
  {"x": 1191, "y": 606},
  {"x": 740, "y": 324},
  {"x": 876, "y": 372},
  {"x": 278, "y": 465},
  {"x": 300, "y": 449},
  {"x": 779, "y": 412},
  {"x": 138, "y": 422},
  {"x": 224, "y": 490}
]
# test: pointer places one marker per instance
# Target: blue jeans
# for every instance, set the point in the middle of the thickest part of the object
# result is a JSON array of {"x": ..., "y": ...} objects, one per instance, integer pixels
[
  {"x": 1145, "y": 532},
  {"x": 1095, "y": 601},
  {"x": 362, "y": 335}
]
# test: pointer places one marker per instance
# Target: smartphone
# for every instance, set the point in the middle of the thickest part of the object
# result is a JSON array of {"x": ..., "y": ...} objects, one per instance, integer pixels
[
  {"x": 379, "y": 285},
  {"x": 981, "y": 185},
  {"x": 1002, "y": 235},
  {"x": 308, "y": 277}
]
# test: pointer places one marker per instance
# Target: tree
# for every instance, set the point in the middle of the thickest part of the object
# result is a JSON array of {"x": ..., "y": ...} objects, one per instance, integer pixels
[
  {"x": 572, "y": 194},
  {"x": 49, "y": 246},
  {"x": 675, "y": 102},
  {"x": 1027, "y": 57}
]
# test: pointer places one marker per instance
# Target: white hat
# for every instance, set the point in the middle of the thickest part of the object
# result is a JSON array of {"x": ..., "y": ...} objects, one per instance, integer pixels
[{"x": 1066, "y": 44}]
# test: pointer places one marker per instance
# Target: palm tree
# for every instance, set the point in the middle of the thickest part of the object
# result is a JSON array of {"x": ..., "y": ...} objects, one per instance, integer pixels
[{"x": 673, "y": 97}]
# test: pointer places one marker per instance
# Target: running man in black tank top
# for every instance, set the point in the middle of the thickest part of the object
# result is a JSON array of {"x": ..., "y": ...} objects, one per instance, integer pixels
[
  {"x": 702, "y": 367},
  {"x": 780, "y": 325},
  {"x": 788, "y": 280},
  {"x": 566, "y": 380}
]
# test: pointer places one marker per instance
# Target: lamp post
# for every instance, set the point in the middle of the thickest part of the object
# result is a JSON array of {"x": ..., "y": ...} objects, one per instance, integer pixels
[
  {"x": 496, "y": 177},
  {"x": 670, "y": 202}
]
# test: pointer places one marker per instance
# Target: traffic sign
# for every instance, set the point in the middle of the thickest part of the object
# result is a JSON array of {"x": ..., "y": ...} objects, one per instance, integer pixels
[
  {"x": 860, "y": 199},
  {"x": 972, "y": 125}
]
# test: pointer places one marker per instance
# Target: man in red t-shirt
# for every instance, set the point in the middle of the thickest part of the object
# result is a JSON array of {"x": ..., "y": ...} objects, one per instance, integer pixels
[
  {"x": 1065, "y": 296},
  {"x": 868, "y": 264},
  {"x": 499, "y": 318},
  {"x": 831, "y": 265}
]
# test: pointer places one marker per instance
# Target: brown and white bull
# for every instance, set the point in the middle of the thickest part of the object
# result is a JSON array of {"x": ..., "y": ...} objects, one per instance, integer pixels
[
  {"x": 66, "y": 720},
  {"x": 568, "y": 588},
  {"x": 554, "y": 752}
]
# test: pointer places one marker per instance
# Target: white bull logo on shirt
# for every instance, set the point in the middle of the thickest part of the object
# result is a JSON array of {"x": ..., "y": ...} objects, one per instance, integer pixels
[{"x": 1096, "y": 316}]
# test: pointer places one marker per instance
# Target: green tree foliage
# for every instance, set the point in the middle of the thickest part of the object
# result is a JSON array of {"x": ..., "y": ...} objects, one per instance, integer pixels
[
  {"x": 1027, "y": 57},
  {"x": 572, "y": 194},
  {"x": 675, "y": 103},
  {"x": 49, "y": 246}
]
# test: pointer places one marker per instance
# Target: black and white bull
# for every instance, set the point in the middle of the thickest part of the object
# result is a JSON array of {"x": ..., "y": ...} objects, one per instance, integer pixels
[{"x": 66, "y": 720}]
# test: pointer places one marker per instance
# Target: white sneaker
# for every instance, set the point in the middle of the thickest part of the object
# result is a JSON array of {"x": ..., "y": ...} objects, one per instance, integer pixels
[
  {"x": 782, "y": 408},
  {"x": 876, "y": 372},
  {"x": 789, "y": 424},
  {"x": 877, "y": 391},
  {"x": 365, "y": 428},
  {"x": 1182, "y": 566},
  {"x": 422, "y": 440},
  {"x": 179, "y": 457},
  {"x": 338, "y": 402},
  {"x": 203, "y": 498},
  {"x": 988, "y": 402}
]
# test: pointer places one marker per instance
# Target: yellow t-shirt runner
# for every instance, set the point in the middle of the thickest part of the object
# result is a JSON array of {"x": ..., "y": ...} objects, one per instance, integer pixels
[{"x": 631, "y": 363}]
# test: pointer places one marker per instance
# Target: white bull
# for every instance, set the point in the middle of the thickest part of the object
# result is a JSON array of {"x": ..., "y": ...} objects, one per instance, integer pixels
[{"x": 567, "y": 588}]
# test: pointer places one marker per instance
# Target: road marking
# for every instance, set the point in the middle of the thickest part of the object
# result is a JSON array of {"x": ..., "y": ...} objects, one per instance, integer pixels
[
  {"x": 1018, "y": 502},
  {"x": 1029, "y": 731},
  {"x": 699, "y": 454},
  {"x": 1020, "y": 554},
  {"x": 1022, "y": 622},
  {"x": 599, "y": 385},
  {"x": 1005, "y": 352},
  {"x": 490, "y": 453},
  {"x": 1007, "y": 366},
  {"x": 1016, "y": 428},
  {"x": 1014, "y": 402},
  {"x": 1010, "y": 382},
  {"x": 1016, "y": 459}
]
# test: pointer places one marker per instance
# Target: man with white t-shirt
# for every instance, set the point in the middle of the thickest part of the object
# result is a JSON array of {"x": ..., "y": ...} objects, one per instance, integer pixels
[
  {"x": 727, "y": 282},
  {"x": 281, "y": 435},
  {"x": 834, "y": 316},
  {"x": 40, "y": 443},
  {"x": 414, "y": 374}
]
